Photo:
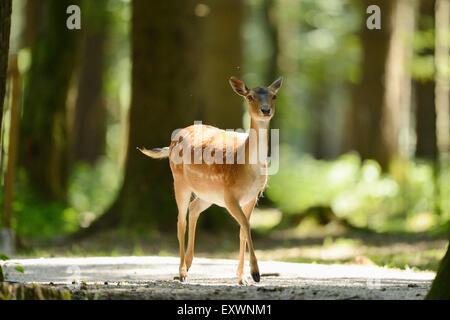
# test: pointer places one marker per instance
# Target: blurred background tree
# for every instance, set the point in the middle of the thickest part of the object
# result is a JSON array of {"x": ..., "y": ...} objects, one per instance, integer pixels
[
  {"x": 44, "y": 137},
  {"x": 365, "y": 126},
  {"x": 89, "y": 119},
  {"x": 156, "y": 102},
  {"x": 426, "y": 146},
  {"x": 196, "y": 91},
  {"x": 5, "y": 20}
]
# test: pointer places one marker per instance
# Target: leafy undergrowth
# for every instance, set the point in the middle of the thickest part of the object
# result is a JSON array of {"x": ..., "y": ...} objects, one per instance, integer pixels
[{"x": 411, "y": 196}]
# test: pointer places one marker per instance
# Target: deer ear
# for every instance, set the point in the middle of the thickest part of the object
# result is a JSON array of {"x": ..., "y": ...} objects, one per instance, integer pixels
[
  {"x": 276, "y": 85},
  {"x": 238, "y": 86}
]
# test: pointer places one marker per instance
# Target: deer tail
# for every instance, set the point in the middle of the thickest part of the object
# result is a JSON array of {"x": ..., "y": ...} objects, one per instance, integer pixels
[{"x": 156, "y": 153}]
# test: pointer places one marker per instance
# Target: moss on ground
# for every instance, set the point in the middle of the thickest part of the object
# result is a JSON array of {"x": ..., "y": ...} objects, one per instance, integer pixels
[{"x": 15, "y": 291}]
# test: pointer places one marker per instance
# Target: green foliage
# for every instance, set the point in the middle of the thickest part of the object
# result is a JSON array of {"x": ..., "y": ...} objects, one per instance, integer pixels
[
  {"x": 34, "y": 217},
  {"x": 423, "y": 64},
  {"x": 19, "y": 268},
  {"x": 13, "y": 291},
  {"x": 403, "y": 200},
  {"x": 93, "y": 189}
]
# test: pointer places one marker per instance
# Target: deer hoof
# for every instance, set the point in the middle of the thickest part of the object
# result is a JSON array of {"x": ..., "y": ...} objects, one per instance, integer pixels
[{"x": 256, "y": 277}]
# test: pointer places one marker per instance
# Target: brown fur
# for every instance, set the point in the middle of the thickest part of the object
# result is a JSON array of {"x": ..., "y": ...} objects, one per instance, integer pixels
[{"x": 233, "y": 186}]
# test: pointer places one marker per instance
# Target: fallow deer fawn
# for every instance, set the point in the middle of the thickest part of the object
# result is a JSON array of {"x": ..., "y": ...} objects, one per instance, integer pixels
[{"x": 235, "y": 186}]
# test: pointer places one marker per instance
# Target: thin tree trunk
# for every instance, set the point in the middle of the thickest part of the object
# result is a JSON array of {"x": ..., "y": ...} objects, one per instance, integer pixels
[
  {"x": 442, "y": 94},
  {"x": 272, "y": 70},
  {"x": 10, "y": 176},
  {"x": 12, "y": 145},
  {"x": 89, "y": 128},
  {"x": 221, "y": 58},
  {"x": 5, "y": 27},
  {"x": 319, "y": 101},
  {"x": 426, "y": 145},
  {"x": 271, "y": 28},
  {"x": 396, "y": 126},
  {"x": 442, "y": 78},
  {"x": 364, "y": 128},
  {"x": 29, "y": 33},
  {"x": 6, "y": 235},
  {"x": 440, "y": 288},
  {"x": 426, "y": 134},
  {"x": 44, "y": 147}
]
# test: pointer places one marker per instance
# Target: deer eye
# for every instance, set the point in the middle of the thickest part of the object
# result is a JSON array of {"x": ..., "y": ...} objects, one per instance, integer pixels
[
  {"x": 274, "y": 97},
  {"x": 250, "y": 98}
]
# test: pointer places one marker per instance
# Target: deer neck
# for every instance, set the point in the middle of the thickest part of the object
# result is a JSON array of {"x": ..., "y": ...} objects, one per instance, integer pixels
[{"x": 257, "y": 141}]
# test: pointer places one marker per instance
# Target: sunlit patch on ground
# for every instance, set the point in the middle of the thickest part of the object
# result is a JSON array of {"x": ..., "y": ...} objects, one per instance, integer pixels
[
  {"x": 328, "y": 244},
  {"x": 153, "y": 278}
]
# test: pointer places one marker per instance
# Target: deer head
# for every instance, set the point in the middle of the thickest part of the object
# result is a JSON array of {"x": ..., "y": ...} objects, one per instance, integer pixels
[{"x": 260, "y": 100}]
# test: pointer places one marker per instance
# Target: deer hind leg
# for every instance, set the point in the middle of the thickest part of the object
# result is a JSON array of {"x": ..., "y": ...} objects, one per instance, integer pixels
[
  {"x": 235, "y": 210},
  {"x": 196, "y": 207},
  {"x": 182, "y": 197},
  {"x": 247, "y": 209}
]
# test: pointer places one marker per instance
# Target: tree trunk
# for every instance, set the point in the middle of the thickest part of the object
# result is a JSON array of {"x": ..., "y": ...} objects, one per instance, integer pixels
[
  {"x": 89, "y": 128},
  {"x": 320, "y": 100},
  {"x": 396, "y": 124},
  {"x": 29, "y": 32},
  {"x": 180, "y": 74},
  {"x": 426, "y": 145},
  {"x": 10, "y": 175},
  {"x": 221, "y": 58},
  {"x": 271, "y": 29},
  {"x": 5, "y": 27},
  {"x": 6, "y": 234},
  {"x": 366, "y": 113},
  {"x": 440, "y": 289},
  {"x": 44, "y": 148},
  {"x": 164, "y": 98},
  {"x": 271, "y": 71},
  {"x": 442, "y": 65}
]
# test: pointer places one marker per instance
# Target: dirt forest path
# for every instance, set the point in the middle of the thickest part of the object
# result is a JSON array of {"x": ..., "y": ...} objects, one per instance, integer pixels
[{"x": 153, "y": 278}]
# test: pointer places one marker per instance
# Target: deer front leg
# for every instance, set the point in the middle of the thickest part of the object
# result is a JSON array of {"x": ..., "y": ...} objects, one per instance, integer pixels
[
  {"x": 235, "y": 210},
  {"x": 196, "y": 207},
  {"x": 247, "y": 209},
  {"x": 182, "y": 197}
]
